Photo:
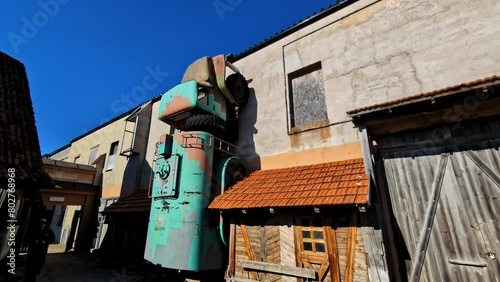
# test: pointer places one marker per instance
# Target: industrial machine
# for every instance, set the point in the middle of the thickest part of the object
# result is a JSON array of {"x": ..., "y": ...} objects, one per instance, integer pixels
[
  {"x": 206, "y": 99},
  {"x": 193, "y": 166}
]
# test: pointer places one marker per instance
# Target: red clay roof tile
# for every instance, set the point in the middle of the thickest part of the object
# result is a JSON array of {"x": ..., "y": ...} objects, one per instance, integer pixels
[{"x": 335, "y": 183}]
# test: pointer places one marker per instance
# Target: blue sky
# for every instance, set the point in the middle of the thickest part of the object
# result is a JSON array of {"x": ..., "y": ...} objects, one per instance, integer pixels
[{"x": 87, "y": 60}]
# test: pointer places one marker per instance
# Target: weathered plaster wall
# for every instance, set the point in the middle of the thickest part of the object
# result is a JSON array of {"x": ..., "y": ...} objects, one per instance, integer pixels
[
  {"x": 126, "y": 175},
  {"x": 61, "y": 155},
  {"x": 371, "y": 52},
  {"x": 157, "y": 129}
]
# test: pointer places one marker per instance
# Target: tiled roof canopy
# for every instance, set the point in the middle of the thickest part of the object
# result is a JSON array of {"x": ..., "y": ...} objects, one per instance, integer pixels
[
  {"x": 443, "y": 91},
  {"x": 19, "y": 146},
  {"x": 135, "y": 202},
  {"x": 327, "y": 184}
]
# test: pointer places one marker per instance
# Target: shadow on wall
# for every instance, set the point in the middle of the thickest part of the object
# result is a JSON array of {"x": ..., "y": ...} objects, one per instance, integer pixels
[
  {"x": 247, "y": 130},
  {"x": 125, "y": 235}
]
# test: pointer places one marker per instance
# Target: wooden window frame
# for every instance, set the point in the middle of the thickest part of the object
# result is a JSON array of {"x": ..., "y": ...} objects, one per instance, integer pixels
[{"x": 294, "y": 128}]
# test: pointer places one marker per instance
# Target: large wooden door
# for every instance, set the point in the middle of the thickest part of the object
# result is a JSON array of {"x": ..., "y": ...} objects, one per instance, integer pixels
[{"x": 445, "y": 198}]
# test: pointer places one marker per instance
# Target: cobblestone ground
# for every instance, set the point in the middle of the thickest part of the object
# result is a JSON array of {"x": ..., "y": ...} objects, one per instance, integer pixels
[{"x": 62, "y": 267}]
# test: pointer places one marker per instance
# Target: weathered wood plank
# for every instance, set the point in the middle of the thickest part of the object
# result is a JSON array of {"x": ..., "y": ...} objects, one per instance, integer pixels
[
  {"x": 384, "y": 198},
  {"x": 298, "y": 252},
  {"x": 287, "y": 250},
  {"x": 430, "y": 213},
  {"x": 278, "y": 269},
  {"x": 373, "y": 244},
  {"x": 263, "y": 241},
  {"x": 232, "y": 249},
  {"x": 248, "y": 247},
  {"x": 238, "y": 279},
  {"x": 333, "y": 256},
  {"x": 349, "y": 270},
  {"x": 341, "y": 234}
]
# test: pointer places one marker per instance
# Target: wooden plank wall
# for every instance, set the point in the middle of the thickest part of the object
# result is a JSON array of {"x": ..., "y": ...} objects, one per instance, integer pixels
[
  {"x": 342, "y": 225},
  {"x": 253, "y": 233},
  {"x": 360, "y": 258},
  {"x": 278, "y": 246},
  {"x": 272, "y": 249},
  {"x": 287, "y": 248},
  {"x": 342, "y": 231}
]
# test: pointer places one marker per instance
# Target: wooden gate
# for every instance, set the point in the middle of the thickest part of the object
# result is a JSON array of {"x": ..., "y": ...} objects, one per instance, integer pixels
[{"x": 445, "y": 198}]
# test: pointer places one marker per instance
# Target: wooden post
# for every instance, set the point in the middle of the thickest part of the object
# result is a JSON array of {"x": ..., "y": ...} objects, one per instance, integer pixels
[
  {"x": 298, "y": 248},
  {"x": 351, "y": 247},
  {"x": 333, "y": 256},
  {"x": 393, "y": 263},
  {"x": 248, "y": 247},
  {"x": 232, "y": 250},
  {"x": 263, "y": 256}
]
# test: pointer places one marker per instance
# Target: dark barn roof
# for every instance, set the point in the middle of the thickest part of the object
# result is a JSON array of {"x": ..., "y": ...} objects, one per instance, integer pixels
[
  {"x": 138, "y": 201},
  {"x": 324, "y": 12},
  {"x": 19, "y": 144}
]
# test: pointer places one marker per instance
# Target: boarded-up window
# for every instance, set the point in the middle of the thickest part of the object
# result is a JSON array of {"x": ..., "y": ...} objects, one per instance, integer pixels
[{"x": 307, "y": 96}]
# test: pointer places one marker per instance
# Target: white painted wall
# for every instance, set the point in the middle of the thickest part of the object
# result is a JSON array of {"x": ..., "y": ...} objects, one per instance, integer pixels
[{"x": 371, "y": 52}]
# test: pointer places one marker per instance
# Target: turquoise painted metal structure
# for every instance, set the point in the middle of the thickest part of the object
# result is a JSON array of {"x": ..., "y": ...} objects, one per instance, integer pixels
[
  {"x": 187, "y": 99},
  {"x": 181, "y": 234},
  {"x": 191, "y": 169}
]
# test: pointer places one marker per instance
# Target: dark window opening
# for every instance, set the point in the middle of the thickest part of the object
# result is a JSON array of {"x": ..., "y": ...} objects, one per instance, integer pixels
[{"x": 113, "y": 150}]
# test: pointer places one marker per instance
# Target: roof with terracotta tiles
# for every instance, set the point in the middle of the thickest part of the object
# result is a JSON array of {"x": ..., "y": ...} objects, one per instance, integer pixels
[
  {"x": 326, "y": 184},
  {"x": 446, "y": 91},
  {"x": 138, "y": 201}
]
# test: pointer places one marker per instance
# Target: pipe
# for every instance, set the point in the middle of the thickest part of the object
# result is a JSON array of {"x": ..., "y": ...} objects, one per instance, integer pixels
[{"x": 222, "y": 190}]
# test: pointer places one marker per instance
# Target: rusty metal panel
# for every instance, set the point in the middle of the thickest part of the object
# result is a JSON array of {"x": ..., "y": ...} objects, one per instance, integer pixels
[{"x": 464, "y": 238}]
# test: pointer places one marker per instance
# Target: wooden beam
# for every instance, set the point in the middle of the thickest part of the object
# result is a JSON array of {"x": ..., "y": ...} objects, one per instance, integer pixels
[
  {"x": 367, "y": 158},
  {"x": 298, "y": 250},
  {"x": 430, "y": 214},
  {"x": 232, "y": 249},
  {"x": 278, "y": 269},
  {"x": 238, "y": 279},
  {"x": 333, "y": 256},
  {"x": 248, "y": 247},
  {"x": 390, "y": 125},
  {"x": 351, "y": 247},
  {"x": 263, "y": 255},
  {"x": 393, "y": 264},
  {"x": 298, "y": 247}
]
